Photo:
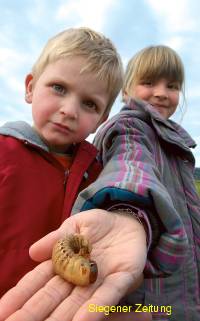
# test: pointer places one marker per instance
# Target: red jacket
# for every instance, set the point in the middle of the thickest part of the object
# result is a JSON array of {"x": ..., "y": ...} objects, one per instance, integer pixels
[{"x": 35, "y": 198}]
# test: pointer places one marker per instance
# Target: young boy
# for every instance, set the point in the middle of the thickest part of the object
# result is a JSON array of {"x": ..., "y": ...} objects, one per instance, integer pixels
[{"x": 72, "y": 87}]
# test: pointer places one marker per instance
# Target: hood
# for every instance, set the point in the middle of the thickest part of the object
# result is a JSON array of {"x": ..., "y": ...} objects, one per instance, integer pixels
[{"x": 23, "y": 131}]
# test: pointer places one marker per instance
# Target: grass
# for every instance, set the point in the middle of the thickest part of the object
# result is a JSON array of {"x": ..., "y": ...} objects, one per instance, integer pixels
[{"x": 197, "y": 183}]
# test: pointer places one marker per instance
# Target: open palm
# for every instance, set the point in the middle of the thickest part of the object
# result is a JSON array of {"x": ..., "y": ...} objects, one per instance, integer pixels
[{"x": 119, "y": 248}]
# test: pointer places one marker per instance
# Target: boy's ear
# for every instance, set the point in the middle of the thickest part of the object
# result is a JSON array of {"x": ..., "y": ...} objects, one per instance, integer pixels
[{"x": 29, "y": 88}]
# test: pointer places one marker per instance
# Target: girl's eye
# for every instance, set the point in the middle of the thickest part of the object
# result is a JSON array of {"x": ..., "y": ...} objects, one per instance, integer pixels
[
  {"x": 147, "y": 83},
  {"x": 174, "y": 86},
  {"x": 59, "y": 89}
]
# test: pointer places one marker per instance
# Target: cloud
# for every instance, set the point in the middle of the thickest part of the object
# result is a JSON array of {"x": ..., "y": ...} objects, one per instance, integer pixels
[
  {"x": 175, "y": 15},
  {"x": 13, "y": 113},
  {"x": 11, "y": 63},
  {"x": 193, "y": 92},
  {"x": 175, "y": 42},
  {"x": 12, "y": 58},
  {"x": 36, "y": 12},
  {"x": 86, "y": 12}
]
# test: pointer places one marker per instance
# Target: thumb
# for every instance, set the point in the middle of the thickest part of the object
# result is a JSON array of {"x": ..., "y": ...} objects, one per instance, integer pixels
[{"x": 42, "y": 249}]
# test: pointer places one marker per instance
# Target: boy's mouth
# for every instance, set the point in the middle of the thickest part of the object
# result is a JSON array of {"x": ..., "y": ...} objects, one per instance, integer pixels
[{"x": 62, "y": 127}]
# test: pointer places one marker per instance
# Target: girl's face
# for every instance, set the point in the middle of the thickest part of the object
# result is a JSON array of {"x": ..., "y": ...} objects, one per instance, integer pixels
[{"x": 162, "y": 94}]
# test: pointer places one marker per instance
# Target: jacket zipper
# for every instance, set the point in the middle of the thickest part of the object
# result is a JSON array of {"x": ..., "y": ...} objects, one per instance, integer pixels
[{"x": 66, "y": 175}]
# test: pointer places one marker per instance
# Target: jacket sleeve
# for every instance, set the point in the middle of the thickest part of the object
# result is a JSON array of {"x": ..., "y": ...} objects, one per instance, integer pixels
[{"x": 131, "y": 175}]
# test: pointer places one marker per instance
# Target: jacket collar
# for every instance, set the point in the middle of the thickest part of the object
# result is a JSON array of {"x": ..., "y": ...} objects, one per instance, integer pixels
[
  {"x": 168, "y": 130},
  {"x": 25, "y": 132}
]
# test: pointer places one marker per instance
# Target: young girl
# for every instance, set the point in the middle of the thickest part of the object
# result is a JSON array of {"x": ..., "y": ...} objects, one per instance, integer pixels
[{"x": 146, "y": 153}]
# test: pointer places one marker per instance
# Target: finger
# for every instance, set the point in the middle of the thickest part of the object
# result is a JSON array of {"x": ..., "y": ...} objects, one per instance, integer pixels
[
  {"x": 77, "y": 306},
  {"x": 26, "y": 287},
  {"x": 68, "y": 308},
  {"x": 44, "y": 301},
  {"x": 112, "y": 290},
  {"x": 42, "y": 249}
]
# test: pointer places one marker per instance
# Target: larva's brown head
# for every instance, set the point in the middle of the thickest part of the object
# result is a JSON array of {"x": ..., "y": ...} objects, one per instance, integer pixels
[
  {"x": 88, "y": 271},
  {"x": 93, "y": 271}
]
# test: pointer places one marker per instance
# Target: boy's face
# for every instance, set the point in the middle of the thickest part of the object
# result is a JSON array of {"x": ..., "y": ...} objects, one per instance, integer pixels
[
  {"x": 66, "y": 106},
  {"x": 162, "y": 94}
]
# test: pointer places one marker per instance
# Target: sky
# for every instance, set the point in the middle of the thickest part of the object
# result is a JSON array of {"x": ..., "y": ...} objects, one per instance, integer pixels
[{"x": 26, "y": 26}]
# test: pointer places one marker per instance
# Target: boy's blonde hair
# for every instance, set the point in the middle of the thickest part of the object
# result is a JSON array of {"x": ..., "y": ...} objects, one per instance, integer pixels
[
  {"x": 101, "y": 57},
  {"x": 153, "y": 63}
]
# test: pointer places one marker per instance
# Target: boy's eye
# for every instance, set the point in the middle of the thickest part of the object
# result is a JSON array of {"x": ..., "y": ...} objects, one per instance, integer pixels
[
  {"x": 89, "y": 104},
  {"x": 59, "y": 88}
]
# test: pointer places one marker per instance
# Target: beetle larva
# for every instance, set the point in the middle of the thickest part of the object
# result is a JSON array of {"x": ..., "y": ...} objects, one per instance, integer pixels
[{"x": 71, "y": 260}]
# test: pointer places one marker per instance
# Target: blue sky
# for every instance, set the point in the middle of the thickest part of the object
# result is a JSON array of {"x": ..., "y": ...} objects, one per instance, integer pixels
[{"x": 25, "y": 27}]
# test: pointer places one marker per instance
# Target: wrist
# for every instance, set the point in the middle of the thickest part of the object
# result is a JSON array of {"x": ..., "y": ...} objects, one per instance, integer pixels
[{"x": 135, "y": 213}]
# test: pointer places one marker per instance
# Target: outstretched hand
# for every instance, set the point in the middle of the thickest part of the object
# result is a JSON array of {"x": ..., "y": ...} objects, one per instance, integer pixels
[{"x": 119, "y": 248}]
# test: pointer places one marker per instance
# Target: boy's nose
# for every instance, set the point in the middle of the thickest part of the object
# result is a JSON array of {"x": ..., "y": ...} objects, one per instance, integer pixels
[{"x": 70, "y": 108}]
